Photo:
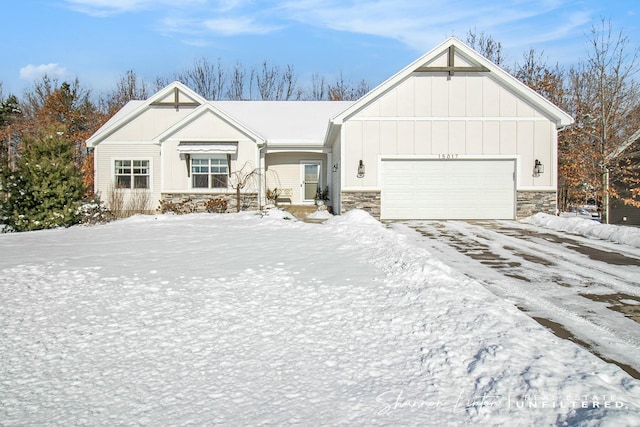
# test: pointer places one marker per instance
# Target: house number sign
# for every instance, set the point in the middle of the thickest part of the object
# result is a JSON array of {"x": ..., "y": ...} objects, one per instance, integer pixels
[{"x": 448, "y": 156}]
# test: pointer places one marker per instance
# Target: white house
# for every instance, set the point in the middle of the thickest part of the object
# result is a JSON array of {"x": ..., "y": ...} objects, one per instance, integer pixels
[{"x": 451, "y": 136}]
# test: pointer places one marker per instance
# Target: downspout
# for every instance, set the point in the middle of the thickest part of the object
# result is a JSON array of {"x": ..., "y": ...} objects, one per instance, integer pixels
[{"x": 261, "y": 191}]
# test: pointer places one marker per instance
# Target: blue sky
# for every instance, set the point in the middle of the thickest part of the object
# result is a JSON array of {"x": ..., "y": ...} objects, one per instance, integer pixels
[{"x": 98, "y": 40}]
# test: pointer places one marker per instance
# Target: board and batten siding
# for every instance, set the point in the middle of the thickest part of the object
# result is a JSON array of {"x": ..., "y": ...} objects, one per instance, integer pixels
[
  {"x": 107, "y": 152},
  {"x": 432, "y": 114}
]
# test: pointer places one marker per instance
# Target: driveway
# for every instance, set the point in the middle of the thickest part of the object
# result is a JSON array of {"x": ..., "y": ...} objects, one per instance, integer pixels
[{"x": 584, "y": 290}]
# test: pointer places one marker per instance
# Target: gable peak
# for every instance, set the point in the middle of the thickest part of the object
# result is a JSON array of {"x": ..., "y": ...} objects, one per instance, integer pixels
[{"x": 176, "y": 95}]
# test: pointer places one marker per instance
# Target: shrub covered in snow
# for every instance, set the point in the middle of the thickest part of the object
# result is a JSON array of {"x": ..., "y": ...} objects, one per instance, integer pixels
[{"x": 94, "y": 213}]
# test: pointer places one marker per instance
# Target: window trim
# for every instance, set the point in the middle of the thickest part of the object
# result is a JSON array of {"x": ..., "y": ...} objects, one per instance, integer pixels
[
  {"x": 227, "y": 164},
  {"x": 132, "y": 159}
]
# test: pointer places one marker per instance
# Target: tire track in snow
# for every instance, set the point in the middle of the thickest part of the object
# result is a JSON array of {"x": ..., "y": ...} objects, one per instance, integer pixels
[{"x": 544, "y": 277}]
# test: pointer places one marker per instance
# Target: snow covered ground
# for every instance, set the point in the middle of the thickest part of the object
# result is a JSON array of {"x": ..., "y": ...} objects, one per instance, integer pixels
[{"x": 243, "y": 319}]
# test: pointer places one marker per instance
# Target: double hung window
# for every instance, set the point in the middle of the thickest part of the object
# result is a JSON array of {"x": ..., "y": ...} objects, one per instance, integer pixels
[
  {"x": 132, "y": 174},
  {"x": 210, "y": 172}
]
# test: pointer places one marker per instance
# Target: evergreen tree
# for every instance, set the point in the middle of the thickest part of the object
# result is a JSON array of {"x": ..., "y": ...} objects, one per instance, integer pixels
[
  {"x": 9, "y": 114},
  {"x": 45, "y": 188}
]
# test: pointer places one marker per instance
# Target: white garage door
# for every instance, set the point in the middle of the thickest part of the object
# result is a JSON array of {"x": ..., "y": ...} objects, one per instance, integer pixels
[{"x": 448, "y": 189}]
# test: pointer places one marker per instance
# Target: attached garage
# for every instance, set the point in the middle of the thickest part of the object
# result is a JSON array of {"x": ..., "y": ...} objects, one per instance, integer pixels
[
  {"x": 450, "y": 136},
  {"x": 448, "y": 189}
]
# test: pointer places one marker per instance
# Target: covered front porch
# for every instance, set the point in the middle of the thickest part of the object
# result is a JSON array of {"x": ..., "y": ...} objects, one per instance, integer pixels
[{"x": 297, "y": 178}]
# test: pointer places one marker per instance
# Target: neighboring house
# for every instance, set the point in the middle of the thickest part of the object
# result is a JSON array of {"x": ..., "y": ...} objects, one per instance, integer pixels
[
  {"x": 451, "y": 136},
  {"x": 619, "y": 212}
]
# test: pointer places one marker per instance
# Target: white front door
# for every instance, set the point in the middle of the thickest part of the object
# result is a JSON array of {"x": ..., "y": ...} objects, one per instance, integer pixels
[{"x": 310, "y": 181}]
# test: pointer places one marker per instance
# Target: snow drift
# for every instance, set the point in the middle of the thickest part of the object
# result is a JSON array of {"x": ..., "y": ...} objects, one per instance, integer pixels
[{"x": 589, "y": 228}]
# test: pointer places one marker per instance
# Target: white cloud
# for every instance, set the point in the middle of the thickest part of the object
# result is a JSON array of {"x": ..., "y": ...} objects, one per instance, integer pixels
[
  {"x": 230, "y": 26},
  {"x": 237, "y": 26},
  {"x": 33, "y": 72},
  {"x": 425, "y": 23},
  {"x": 416, "y": 24},
  {"x": 104, "y": 8}
]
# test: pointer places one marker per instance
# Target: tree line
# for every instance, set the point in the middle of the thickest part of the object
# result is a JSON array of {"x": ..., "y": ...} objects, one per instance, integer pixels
[{"x": 49, "y": 124}]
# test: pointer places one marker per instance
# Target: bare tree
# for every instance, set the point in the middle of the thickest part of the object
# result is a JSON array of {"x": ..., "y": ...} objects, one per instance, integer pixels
[
  {"x": 611, "y": 67},
  {"x": 34, "y": 99},
  {"x": 246, "y": 176},
  {"x": 161, "y": 82},
  {"x": 206, "y": 78},
  {"x": 547, "y": 81},
  {"x": 486, "y": 45},
  {"x": 273, "y": 84},
  {"x": 236, "y": 84},
  {"x": 342, "y": 90},
  {"x": 288, "y": 83},
  {"x": 128, "y": 88},
  {"x": 318, "y": 87}
]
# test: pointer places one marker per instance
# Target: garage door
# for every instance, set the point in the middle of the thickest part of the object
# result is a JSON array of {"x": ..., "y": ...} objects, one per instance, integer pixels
[{"x": 448, "y": 189}]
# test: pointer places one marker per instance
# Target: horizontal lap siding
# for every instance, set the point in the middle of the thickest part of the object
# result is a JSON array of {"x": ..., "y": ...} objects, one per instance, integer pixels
[
  {"x": 106, "y": 153},
  {"x": 284, "y": 172}
]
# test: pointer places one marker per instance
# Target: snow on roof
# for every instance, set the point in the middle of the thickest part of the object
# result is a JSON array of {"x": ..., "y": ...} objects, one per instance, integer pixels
[{"x": 282, "y": 121}]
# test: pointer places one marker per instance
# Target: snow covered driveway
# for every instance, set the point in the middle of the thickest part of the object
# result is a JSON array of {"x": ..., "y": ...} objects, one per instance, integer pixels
[
  {"x": 240, "y": 319},
  {"x": 584, "y": 289}
]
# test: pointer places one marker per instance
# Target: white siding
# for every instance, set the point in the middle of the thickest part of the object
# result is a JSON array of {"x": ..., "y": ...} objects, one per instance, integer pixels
[
  {"x": 149, "y": 124},
  {"x": 107, "y": 152},
  {"x": 210, "y": 128}
]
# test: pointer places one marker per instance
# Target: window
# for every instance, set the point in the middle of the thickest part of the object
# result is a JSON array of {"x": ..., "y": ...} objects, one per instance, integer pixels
[
  {"x": 132, "y": 173},
  {"x": 212, "y": 172}
]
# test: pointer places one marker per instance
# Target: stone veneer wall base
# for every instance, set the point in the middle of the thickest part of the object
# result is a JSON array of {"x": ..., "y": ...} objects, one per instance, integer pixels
[
  {"x": 527, "y": 202},
  {"x": 366, "y": 200},
  {"x": 249, "y": 200},
  {"x": 532, "y": 202}
]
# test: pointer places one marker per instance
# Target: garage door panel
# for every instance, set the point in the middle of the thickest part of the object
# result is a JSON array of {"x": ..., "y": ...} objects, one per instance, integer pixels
[{"x": 448, "y": 189}]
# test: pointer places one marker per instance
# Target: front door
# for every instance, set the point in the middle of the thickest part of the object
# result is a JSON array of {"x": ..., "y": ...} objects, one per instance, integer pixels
[{"x": 310, "y": 180}]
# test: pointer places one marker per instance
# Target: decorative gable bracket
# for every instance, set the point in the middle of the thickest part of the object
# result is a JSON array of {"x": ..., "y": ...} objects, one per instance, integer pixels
[
  {"x": 176, "y": 102},
  {"x": 451, "y": 67}
]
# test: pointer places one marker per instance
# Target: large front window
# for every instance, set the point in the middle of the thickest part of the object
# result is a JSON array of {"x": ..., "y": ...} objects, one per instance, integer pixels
[
  {"x": 211, "y": 172},
  {"x": 132, "y": 174}
]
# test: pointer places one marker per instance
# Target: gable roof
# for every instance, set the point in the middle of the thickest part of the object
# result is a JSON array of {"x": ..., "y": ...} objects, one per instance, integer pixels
[
  {"x": 477, "y": 63},
  {"x": 285, "y": 121},
  {"x": 169, "y": 95},
  {"x": 208, "y": 107}
]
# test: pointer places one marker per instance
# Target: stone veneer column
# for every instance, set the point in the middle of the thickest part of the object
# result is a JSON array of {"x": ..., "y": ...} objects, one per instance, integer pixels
[
  {"x": 366, "y": 200},
  {"x": 532, "y": 202}
]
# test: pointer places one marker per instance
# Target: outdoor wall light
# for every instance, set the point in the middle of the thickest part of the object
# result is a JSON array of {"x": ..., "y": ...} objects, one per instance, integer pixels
[
  {"x": 335, "y": 167},
  {"x": 538, "y": 168},
  {"x": 361, "y": 169}
]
